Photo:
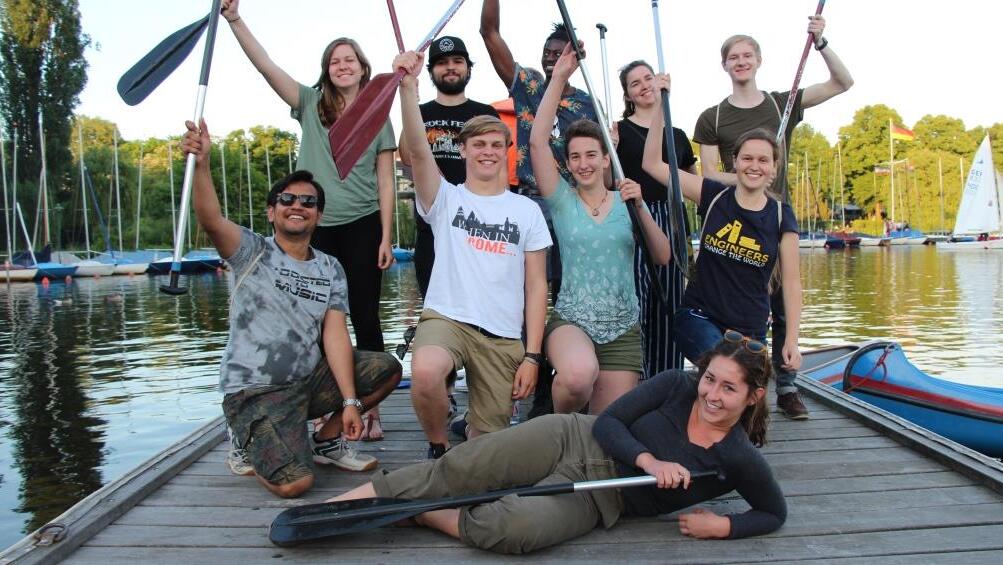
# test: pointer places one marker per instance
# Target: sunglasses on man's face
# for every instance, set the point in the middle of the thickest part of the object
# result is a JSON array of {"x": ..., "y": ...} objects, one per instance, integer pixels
[
  {"x": 753, "y": 345},
  {"x": 288, "y": 199}
]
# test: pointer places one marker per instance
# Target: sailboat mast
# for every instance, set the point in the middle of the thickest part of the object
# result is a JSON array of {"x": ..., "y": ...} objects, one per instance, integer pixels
[
  {"x": 83, "y": 188},
  {"x": 842, "y": 199},
  {"x": 891, "y": 166},
  {"x": 222, "y": 160},
  {"x": 940, "y": 175},
  {"x": 118, "y": 192},
  {"x": 139, "y": 193},
  {"x": 43, "y": 186},
  {"x": 268, "y": 167},
  {"x": 6, "y": 204},
  {"x": 289, "y": 154},
  {"x": 250, "y": 203}
]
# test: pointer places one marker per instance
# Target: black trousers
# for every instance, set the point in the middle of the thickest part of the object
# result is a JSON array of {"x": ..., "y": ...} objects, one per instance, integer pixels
[
  {"x": 355, "y": 245},
  {"x": 424, "y": 254}
]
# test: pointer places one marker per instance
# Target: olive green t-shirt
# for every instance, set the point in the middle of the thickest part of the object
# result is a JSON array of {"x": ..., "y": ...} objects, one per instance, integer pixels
[{"x": 356, "y": 196}]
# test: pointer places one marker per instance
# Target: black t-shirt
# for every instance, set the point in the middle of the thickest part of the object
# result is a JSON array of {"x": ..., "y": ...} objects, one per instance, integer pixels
[
  {"x": 442, "y": 126},
  {"x": 738, "y": 249},
  {"x": 630, "y": 149}
]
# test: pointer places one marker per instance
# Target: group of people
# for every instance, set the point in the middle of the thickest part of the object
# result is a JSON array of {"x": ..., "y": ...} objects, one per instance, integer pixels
[{"x": 487, "y": 262}]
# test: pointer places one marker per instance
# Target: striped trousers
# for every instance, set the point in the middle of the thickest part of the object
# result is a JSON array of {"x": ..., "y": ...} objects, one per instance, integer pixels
[{"x": 659, "y": 352}]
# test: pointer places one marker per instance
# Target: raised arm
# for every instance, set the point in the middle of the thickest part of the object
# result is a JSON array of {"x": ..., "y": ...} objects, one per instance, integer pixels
[
  {"x": 653, "y": 164},
  {"x": 710, "y": 158},
  {"x": 658, "y": 242},
  {"x": 225, "y": 235},
  {"x": 279, "y": 80},
  {"x": 839, "y": 76},
  {"x": 424, "y": 170},
  {"x": 501, "y": 56},
  {"x": 541, "y": 156}
]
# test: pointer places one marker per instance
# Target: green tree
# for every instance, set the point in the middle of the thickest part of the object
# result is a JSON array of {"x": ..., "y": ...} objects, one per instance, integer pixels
[
  {"x": 865, "y": 145},
  {"x": 42, "y": 71}
]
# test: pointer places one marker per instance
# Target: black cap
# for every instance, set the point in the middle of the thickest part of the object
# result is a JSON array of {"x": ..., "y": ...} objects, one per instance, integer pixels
[{"x": 446, "y": 46}]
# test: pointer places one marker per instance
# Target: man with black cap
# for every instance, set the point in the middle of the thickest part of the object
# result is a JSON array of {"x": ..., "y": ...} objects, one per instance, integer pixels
[{"x": 449, "y": 67}]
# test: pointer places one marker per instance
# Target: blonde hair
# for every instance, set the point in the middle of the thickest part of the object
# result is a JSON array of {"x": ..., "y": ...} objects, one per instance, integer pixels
[
  {"x": 736, "y": 39},
  {"x": 481, "y": 125}
]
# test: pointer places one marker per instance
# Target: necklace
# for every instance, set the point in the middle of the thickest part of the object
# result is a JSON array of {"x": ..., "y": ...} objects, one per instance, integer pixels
[{"x": 595, "y": 209}]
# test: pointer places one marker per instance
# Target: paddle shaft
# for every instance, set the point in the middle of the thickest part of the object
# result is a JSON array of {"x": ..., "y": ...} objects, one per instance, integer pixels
[
  {"x": 397, "y": 27},
  {"x": 186, "y": 188},
  {"x": 789, "y": 107},
  {"x": 677, "y": 210},
  {"x": 605, "y": 71},
  {"x": 413, "y": 508}
]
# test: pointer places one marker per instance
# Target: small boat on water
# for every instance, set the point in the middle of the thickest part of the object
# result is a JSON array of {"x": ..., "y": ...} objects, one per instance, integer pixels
[
  {"x": 85, "y": 267},
  {"x": 17, "y": 273},
  {"x": 811, "y": 240},
  {"x": 979, "y": 224},
  {"x": 908, "y": 236},
  {"x": 195, "y": 261},
  {"x": 403, "y": 255},
  {"x": 868, "y": 240},
  {"x": 848, "y": 239},
  {"x": 879, "y": 373}
]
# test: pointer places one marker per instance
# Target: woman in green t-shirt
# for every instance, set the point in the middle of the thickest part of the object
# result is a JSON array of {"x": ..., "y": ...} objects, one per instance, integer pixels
[
  {"x": 355, "y": 226},
  {"x": 593, "y": 339}
]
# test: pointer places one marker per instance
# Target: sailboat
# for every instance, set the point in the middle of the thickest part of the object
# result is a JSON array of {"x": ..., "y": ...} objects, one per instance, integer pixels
[
  {"x": 979, "y": 220},
  {"x": 11, "y": 272}
]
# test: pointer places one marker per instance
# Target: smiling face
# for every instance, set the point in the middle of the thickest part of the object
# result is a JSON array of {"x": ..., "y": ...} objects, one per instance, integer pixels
[
  {"x": 723, "y": 394},
  {"x": 755, "y": 164},
  {"x": 639, "y": 87},
  {"x": 586, "y": 160},
  {"x": 741, "y": 62},
  {"x": 295, "y": 220},
  {"x": 450, "y": 74},
  {"x": 485, "y": 155},
  {"x": 344, "y": 67},
  {"x": 552, "y": 50}
]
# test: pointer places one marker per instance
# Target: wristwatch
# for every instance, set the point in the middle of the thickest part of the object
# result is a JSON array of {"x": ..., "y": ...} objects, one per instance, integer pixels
[
  {"x": 534, "y": 358},
  {"x": 821, "y": 44},
  {"x": 352, "y": 402}
]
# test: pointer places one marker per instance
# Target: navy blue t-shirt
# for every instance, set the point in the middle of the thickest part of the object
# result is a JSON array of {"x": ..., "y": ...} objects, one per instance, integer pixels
[{"x": 738, "y": 250}]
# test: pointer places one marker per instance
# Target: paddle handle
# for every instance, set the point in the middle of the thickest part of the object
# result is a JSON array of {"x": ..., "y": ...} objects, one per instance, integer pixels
[
  {"x": 397, "y": 27},
  {"x": 789, "y": 107},
  {"x": 174, "y": 287}
]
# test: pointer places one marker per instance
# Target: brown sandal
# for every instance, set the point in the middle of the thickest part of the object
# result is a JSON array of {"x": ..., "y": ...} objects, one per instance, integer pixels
[{"x": 371, "y": 428}]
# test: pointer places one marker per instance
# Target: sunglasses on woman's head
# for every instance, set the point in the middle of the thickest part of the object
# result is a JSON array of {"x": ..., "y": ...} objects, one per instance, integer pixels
[
  {"x": 753, "y": 345},
  {"x": 288, "y": 198}
]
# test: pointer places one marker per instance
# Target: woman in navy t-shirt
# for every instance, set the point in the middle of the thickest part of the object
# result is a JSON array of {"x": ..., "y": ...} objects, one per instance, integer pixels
[{"x": 748, "y": 244}]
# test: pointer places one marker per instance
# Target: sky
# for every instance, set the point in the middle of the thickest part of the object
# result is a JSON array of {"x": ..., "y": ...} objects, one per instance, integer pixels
[{"x": 918, "y": 57}]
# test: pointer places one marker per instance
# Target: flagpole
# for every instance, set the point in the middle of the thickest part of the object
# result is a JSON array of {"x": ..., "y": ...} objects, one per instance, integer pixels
[
  {"x": 842, "y": 200},
  {"x": 891, "y": 165}
]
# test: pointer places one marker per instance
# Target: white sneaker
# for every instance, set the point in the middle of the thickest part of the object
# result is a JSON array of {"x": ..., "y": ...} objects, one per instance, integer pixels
[
  {"x": 461, "y": 381},
  {"x": 337, "y": 452},
  {"x": 237, "y": 461}
]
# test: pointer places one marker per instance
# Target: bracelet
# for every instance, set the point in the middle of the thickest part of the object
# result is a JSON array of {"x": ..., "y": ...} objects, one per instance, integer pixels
[
  {"x": 822, "y": 44},
  {"x": 233, "y": 20},
  {"x": 534, "y": 358},
  {"x": 352, "y": 402}
]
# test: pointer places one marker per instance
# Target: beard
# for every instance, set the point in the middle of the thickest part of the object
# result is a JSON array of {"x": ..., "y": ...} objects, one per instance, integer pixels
[{"x": 451, "y": 87}]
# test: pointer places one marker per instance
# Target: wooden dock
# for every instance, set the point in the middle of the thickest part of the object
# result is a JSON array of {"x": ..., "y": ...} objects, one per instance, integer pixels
[{"x": 862, "y": 486}]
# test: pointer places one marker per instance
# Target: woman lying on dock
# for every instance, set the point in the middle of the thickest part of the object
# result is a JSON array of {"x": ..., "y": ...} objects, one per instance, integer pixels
[
  {"x": 666, "y": 427},
  {"x": 593, "y": 339}
]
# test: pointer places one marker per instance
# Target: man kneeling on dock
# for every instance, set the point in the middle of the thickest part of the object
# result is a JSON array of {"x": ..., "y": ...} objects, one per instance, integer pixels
[{"x": 288, "y": 300}]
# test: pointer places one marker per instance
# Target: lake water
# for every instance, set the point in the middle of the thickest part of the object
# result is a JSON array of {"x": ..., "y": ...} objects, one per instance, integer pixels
[{"x": 98, "y": 375}]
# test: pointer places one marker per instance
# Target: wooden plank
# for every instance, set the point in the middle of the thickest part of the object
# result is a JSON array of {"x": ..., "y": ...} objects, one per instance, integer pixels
[
  {"x": 950, "y": 558},
  {"x": 668, "y": 547},
  {"x": 103, "y": 506}
]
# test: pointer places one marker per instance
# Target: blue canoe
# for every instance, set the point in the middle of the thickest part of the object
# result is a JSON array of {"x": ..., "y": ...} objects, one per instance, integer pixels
[
  {"x": 403, "y": 255},
  {"x": 879, "y": 373}
]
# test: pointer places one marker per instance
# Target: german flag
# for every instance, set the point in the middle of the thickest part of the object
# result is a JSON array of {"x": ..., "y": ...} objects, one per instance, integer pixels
[{"x": 902, "y": 134}]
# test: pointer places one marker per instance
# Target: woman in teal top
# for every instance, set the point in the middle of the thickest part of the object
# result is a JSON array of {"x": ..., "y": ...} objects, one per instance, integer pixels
[
  {"x": 355, "y": 226},
  {"x": 593, "y": 340}
]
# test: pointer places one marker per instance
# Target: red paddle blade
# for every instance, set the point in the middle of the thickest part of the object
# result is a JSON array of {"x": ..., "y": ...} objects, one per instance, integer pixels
[{"x": 362, "y": 121}]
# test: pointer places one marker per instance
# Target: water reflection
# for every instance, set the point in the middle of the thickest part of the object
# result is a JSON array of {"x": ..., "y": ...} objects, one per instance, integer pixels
[{"x": 100, "y": 374}]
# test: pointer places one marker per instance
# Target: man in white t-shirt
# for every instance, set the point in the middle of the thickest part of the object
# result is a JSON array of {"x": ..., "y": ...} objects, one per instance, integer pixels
[{"x": 487, "y": 240}]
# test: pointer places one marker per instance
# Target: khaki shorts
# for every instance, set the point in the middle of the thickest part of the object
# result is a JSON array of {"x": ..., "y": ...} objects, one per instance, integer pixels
[
  {"x": 491, "y": 363},
  {"x": 269, "y": 421},
  {"x": 621, "y": 354}
]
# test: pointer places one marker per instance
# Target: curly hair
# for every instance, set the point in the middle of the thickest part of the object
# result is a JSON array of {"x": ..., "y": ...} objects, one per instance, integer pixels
[{"x": 756, "y": 369}]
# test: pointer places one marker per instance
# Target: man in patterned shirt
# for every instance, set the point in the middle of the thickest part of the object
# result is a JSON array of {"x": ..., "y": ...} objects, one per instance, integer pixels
[{"x": 288, "y": 357}]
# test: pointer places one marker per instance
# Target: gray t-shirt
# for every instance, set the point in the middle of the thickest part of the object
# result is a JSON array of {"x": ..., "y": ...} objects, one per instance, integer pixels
[
  {"x": 276, "y": 313},
  {"x": 357, "y": 195}
]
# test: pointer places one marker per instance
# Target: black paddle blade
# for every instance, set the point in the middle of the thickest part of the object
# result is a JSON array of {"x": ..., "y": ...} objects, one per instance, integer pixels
[
  {"x": 138, "y": 82},
  {"x": 338, "y": 518}
]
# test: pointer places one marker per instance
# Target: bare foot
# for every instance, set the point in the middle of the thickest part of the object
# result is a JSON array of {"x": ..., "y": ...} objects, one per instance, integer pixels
[{"x": 371, "y": 429}]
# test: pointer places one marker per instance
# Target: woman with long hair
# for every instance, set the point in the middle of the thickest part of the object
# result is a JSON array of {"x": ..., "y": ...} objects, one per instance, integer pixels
[
  {"x": 593, "y": 339},
  {"x": 641, "y": 102},
  {"x": 670, "y": 426},
  {"x": 355, "y": 227},
  {"x": 748, "y": 242}
]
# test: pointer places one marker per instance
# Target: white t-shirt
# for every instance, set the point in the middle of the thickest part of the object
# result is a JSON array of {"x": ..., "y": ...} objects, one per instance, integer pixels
[{"x": 480, "y": 265}]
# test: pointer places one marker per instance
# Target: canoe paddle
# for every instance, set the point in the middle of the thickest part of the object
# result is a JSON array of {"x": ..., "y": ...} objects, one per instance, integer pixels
[
  {"x": 138, "y": 82},
  {"x": 363, "y": 119},
  {"x": 330, "y": 519}
]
